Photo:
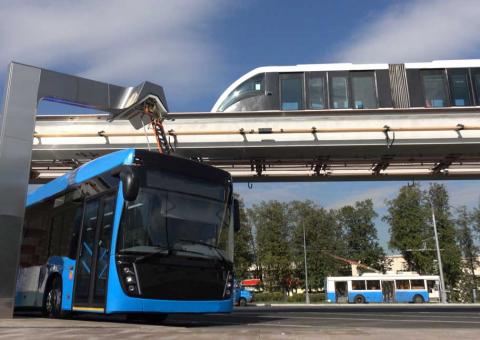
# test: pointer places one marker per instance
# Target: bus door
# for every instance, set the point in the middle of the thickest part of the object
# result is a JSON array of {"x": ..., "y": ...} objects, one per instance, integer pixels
[
  {"x": 388, "y": 290},
  {"x": 341, "y": 292},
  {"x": 93, "y": 254}
]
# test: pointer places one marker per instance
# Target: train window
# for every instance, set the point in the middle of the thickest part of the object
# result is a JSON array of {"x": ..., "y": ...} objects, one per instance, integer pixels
[
  {"x": 316, "y": 92},
  {"x": 459, "y": 87},
  {"x": 434, "y": 88},
  {"x": 476, "y": 81},
  {"x": 339, "y": 92},
  {"x": 249, "y": 88},
  {"x": 363, "y": 90},
  {"x": 291, "y": 91}
]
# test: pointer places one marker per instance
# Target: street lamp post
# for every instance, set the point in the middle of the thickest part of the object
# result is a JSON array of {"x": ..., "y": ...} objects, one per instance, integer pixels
[
  {"x": 443, "y": 294},
  {"x": 307, "y": 296}
]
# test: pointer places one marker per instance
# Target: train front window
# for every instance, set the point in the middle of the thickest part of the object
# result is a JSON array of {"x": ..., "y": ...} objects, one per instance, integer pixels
[
  {"x": 339, "y": 92},
  {"x": 459, "y": 89},
  {"x": 249, "y": 88},
  {"x": 291, "y": 91},
  {"x": 434, "y": 88},
  {"x": 363, "y": 90}
]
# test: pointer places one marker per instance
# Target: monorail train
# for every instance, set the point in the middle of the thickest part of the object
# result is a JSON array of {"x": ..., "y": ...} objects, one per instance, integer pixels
[{"x": 447, "y": 83}]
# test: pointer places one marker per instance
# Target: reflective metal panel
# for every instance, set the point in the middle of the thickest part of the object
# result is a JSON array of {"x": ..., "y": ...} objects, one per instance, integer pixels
[{"x": 16, "y": 129}]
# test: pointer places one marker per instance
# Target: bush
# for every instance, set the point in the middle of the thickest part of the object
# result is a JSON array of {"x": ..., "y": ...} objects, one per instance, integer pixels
[
  {"x": 269, "y": 297},
  {"x": 280, "y": 297}
]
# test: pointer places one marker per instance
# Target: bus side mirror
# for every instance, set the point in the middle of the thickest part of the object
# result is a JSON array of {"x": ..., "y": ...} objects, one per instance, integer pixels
[
  {"x": 236, "y": 215},
  {"x": 130, "y": 183}
]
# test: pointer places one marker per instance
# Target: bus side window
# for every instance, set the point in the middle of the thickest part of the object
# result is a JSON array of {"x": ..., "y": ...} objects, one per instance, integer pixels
[
  {"x": 358, "y": 284},
  {"x": 402, "y": 284},
  {"x": 417, "y": 284},
  {"x": 373, "y": 284},
  {"x": 77, "y": 223}
]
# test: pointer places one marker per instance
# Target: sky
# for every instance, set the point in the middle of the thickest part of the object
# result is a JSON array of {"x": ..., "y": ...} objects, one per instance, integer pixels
[{"x": 196, "y": 48}]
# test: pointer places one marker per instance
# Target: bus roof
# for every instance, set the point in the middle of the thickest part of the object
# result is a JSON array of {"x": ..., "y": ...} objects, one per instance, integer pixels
[
  {"x": 384, "y": 276},
  {"x": 81, "y": 174}
]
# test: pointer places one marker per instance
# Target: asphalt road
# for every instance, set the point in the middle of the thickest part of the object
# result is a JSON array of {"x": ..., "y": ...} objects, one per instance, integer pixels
[{"x": 343, "y": 322}]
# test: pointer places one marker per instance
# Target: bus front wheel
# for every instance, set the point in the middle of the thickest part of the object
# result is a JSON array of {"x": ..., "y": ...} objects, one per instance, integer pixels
[
  {"x": 418, "y": 299},
  {"x": 359, "y": 299},
  {"x": 242, "y": 302},
  {"x": 52, "y": 301}
]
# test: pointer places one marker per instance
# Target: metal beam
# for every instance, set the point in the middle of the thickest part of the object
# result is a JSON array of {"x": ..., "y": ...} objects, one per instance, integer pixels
[{"x": 25, "y": 87}]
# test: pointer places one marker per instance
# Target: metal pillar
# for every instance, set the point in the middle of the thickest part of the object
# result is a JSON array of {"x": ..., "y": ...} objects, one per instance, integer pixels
[
  {"x": 24, "y": 88},
  {"x": 16, "y": 129},
  {"x": 443, "y": 293},
  {"x": 307, "y": 295}
]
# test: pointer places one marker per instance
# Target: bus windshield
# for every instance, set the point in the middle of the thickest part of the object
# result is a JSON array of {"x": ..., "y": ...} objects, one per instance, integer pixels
[{"x": 178, "y": 215}]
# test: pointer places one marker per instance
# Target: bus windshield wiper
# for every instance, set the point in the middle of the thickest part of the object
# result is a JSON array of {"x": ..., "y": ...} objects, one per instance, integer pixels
[
  {"x": 162, "y": 251},
  {"x": 166, "y": 251},
  {"x": 211, "y": 246}
]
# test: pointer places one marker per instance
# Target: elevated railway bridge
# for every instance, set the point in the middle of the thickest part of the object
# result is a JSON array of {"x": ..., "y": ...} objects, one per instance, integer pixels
[{"x": 314, "y": 145}]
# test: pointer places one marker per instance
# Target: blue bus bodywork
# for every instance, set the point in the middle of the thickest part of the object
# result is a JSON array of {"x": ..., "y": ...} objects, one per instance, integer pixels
[{"x": 32, "y": 281}]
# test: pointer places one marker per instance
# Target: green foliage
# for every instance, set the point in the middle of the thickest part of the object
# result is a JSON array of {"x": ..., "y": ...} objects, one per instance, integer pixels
[
  {"x": 466, "y": 242},
  {"x": 244, "y": 247},
  {"x": 360, "y": 235},
  {"x": 272, "y": 237},
  {"x": 450, "y": 252},
  {"x": 323, "y": 237},
  {"x": 410, "y": 231},
  {"x": 280, "y": 297}
]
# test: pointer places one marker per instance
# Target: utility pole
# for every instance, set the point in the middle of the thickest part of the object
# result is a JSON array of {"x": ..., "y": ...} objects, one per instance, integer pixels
[
  {"x": 307, "y": 296},
  {"x": 443, "y": 294}
]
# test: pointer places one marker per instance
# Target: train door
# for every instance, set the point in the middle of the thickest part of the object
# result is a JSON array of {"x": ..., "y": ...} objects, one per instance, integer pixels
[
  {"x": 93, "y": 255},
  {"x": 341, "y": 292},
  {"x": 388, "y": 290}
]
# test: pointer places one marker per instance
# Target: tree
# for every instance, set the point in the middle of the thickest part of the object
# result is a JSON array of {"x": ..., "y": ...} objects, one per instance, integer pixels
[
  {"x": 360, "y": 234},
  {"x": 322, "y": 239},
  {"x": 450, "y": 252},
  {"x": 410, "y": 230},
  {"x": 469, "y": 251},
  {"x": 273, "y": 243},
  {"x": 244, "y": 251}
]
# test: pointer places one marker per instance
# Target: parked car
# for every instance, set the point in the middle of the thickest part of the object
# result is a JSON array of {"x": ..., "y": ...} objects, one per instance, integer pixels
[{"x": 242, "y": 296}]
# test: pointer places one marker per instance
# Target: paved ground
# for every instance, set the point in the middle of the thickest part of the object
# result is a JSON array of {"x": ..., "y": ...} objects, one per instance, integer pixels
[{"x": 339, "y": 322}]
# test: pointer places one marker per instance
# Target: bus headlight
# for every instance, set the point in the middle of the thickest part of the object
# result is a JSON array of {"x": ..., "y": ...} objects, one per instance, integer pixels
[{"x": 128, "y": 276}]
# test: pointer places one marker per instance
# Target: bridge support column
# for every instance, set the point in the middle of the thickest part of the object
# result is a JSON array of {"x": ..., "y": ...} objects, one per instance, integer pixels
[{"x": 17, "y": 123}]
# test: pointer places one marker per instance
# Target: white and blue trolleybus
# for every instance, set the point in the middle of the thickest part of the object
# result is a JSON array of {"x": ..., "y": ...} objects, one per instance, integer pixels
[
  {"x": 379, "y": 288},
  {"x": 132, "y": 232}
]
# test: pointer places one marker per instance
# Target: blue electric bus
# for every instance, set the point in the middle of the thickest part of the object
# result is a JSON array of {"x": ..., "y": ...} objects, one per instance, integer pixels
[
  {"x": 132, "y": 232},
  {"x": 379, "y": 288}
]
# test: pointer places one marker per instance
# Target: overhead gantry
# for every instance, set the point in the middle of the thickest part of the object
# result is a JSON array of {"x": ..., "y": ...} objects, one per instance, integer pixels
[{"x": 25, "y": 87}]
